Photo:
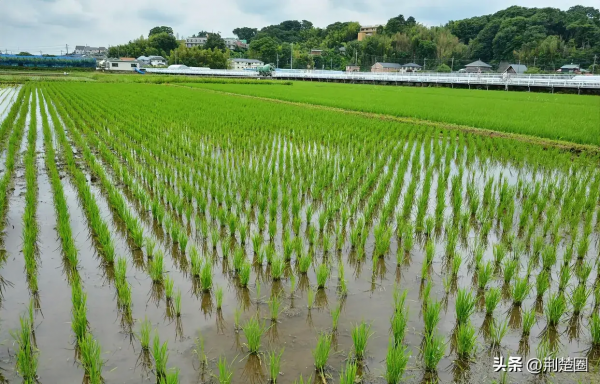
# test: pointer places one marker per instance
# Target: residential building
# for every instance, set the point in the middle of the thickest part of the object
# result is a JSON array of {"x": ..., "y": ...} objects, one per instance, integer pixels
[
  {"x": 570, "y": 68},
  {"x": 352, "y": 68},
  {"x": 478, "y": 67},
  {"x": 195, "y": 41},
  {"x": 154, "y": 61},
  {"x": 233, "y": 43},
  {"x": 242, "y": 64},
  {"x": 123, "y": 64},
  {"x": 86, "y": 50},
  {"x": 386, "y": 67},
  {"x": 411, "y": 67},
  {"x": 367, "y": 30},
  {"x": 316, "y": 52},
  {"x": 515, "y": 68}
]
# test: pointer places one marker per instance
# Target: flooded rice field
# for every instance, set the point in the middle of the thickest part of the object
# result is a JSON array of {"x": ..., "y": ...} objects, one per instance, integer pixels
[{"x": 200, "y": 238}]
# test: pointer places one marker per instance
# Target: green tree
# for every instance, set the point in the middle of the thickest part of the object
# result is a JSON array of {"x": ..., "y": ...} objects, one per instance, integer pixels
[
  {"x": 24, "y": 54},
  {"x": 196, "y": 57},
  {"x": 163, "y": 42},
  {"x": 245, "y": 33},
  {"x": 264, "y": 49},
  {"x": 163, "y": 29},
  {"x": 214, "y": 41}
]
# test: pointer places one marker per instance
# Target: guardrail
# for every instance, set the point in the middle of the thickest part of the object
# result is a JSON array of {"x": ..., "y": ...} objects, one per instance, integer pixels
[{"x": 485, "y": 79}]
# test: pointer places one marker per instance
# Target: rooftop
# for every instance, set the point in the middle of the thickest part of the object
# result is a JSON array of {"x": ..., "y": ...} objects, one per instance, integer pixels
[
  {"x": 411, "y": 65},
  {"x": 478, "y": 63},
  {"x": 389, "y": 65},
  {"x": 519, "y": 68},
  {"x": 246, "y": 60}
]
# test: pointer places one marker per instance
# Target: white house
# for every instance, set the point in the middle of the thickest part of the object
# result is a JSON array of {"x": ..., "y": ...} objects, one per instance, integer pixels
[
  {"x": 241, "y": 64},
  {"x": 121, "y": 65}
]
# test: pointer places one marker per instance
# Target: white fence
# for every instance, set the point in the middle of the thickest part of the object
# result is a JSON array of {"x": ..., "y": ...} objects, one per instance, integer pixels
[{"x": 485, "y": 79}]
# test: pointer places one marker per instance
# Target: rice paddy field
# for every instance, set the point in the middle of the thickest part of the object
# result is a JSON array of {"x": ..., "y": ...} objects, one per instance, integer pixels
[
  {"x": 171, "y": 234},
  {"x": 555, "y": 116}
]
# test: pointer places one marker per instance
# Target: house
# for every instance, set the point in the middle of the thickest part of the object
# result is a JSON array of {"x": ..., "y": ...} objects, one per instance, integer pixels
[
  {"x": 352, "y": 68},
  {"x": 386, "y": 67},
  {"x": 233, "y": 43},
  {"x": 195, "y": 41},
  {"x": 157, "y": 61},
  {"x": 123, "y": 64},
  {"x": 411, "y": 67},
  {"x": 367, "y": 30},
  {"x": 242, "y": 64},
  {"x": 316, "y": 52},
  {"x": 143, "y": 60},
  {"x": 86, "y": 50},
  {"x": 478, "y": 67},
  {"x": 515, "y": 68},
  {"x": 570, "y": 68}
]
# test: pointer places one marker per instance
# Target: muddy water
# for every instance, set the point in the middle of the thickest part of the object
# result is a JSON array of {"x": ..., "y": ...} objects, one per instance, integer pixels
[{"x": 16, "y": 298}]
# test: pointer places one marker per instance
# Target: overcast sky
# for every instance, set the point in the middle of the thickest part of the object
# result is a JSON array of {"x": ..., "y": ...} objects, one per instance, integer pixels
[{"x": 48, "y": 25}]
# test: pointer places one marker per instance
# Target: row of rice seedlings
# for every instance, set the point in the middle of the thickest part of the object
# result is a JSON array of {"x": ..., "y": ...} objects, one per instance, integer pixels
[
  {"x": 14, "y": 124},
  {"x": 30, "y": 227},
  {"x": 96, "y": 222},
  {"x": 63, "y": 226},
  {"x": 89, "y": 349},
  {"x": 27, "y": 354}
]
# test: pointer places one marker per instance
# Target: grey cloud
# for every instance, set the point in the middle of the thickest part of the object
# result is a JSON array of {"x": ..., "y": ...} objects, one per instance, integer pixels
[
  {"x": 270, "y": 9},
  {"x": 158, "y": 16},
  {"x": 351, "y": 5}
]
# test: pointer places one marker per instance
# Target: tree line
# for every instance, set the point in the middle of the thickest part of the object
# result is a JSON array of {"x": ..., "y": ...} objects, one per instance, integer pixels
[{"x": 543, "y": 38}]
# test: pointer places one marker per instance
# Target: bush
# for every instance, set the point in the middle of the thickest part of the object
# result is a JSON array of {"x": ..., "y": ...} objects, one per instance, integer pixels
[{"x": 443, "y": 68}]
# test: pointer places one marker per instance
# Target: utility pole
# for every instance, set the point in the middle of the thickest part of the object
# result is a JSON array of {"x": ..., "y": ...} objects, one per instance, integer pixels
[
  {"x": 534, "y": 59},
  {"x": 67, "y": 46},
  {"x": 425, "y": 63},
  {"x": 452, "y": 65},
  {"x": 331, "y": 64},
  {"x": 292, "y": 56},
  {"x": 40, "y": 53},
  {"x": 277, "y": 60},
  {"x": 594, "y": 65}
]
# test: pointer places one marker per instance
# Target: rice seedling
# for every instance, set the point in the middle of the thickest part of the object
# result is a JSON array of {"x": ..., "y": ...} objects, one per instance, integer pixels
[
  {"x": 253, "y": 330},
  {"x": 465, "y": 305},
  {"x": 335, "y": 317},
  {"x": 310, "y": 295},
  {"x": 238, "y": 259},
  {"x": 172, "y": 377},
  {"x": 322, "y": 275},
  {"x": 160, "y": 353},
  {"x": 321, "y": 351},
  {"x": 579, "y": 297},
  {"x": 91, "y": 358},
  {"x": 484, "y": 274},
  {"x": 348, "y": 373},
  {"x": 433, "y": 350},
  {"x": 169, "y": 283},
  {"x": 144, "y": 335},
  {"x": 583, "y": 272},
  {"x": 595, "y": 329},
  {"x": 555, "y": 309},
  {"x": 304, "y": 263},
  {"x": 431, "y": 316},
  {"x": 277, "y": 267},
  {"x": 466, "y": 341},
  {"x": 26, "y": 352},
  {"x": 510, "y": 268},
  {"x": 225, "y": 371},
  {"x": 564, "y": 278},
  {"x": 520, "y": 290},
  {"x": 456, "y": 262},
  {"x": 275, "y": 307},
  {"x": 528, "y": 321},
  {"x": 274, "y": 365},
  {"x": 498, "y": 330},
  {"x": 219, "y": 297},
  {"x": 492, "y": 298},
  {"x": 395, "y": 362},
  {"x": 542, "y": 284},
  {"x": 206, "y": 276},
  {"x": 360, "y": 337},
  {"x": 178, "y": 303},
  {"x": 156, "y": 268},
  {"x": 244, "y": 274}
]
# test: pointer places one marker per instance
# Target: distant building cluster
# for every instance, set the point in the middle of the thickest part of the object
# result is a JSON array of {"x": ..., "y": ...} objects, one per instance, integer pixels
[
  {"x": 231, "y": 42},
  {"x": 90, "y": 51}
]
